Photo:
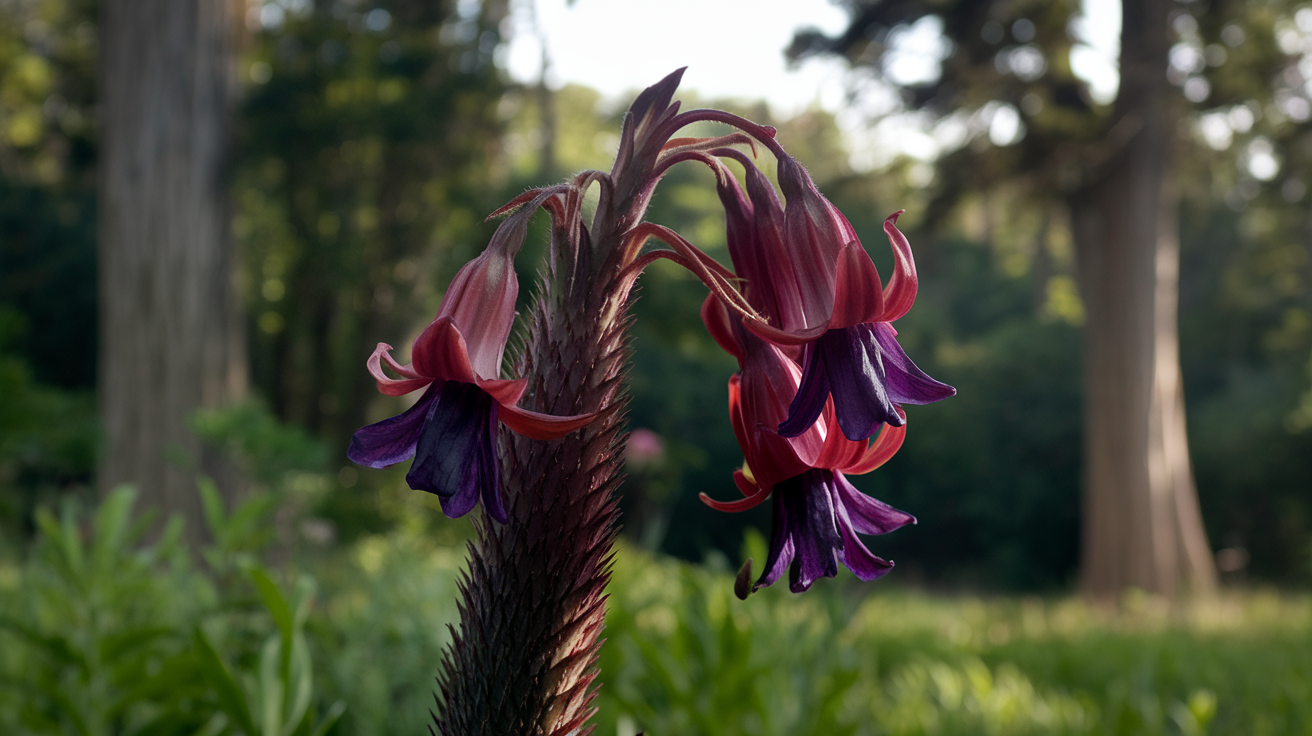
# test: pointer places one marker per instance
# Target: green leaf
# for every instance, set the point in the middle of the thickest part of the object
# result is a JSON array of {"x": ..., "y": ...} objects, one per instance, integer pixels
[
  {"x": 212, "y": 504},
  {"x": 111, "y": 522},
  {"x": 57, "y": 647},
  {"x": 274, "y": 602},
  {"x": 272, "y": 688},
  {"x": 300, "y": 685},
  {"x": 231, "y": 698}
]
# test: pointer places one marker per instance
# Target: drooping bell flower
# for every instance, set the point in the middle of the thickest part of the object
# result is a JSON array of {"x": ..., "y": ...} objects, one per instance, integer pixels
[
  {"x": 816, "y": 519},
  {"x": 817, "y": 512},
  {"x": 451, "y": 431},
  {"x": 836, "y": 308}
]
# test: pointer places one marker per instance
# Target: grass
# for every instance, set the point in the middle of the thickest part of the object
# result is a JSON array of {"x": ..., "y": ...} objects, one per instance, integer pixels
[{"x": 683, "y": 655}]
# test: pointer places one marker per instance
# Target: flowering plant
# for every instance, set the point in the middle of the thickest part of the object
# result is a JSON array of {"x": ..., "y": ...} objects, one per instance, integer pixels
[{"x": 820, "y": 373}]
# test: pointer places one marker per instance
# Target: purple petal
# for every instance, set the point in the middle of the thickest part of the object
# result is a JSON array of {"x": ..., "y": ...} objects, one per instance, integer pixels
[
  {"x": 855, "y": 555},
  {"x": 491, "y": 468},
  {"x": 781, "y": 541},
  {"x": 392, "y": 440},
  {"x": 815, "y": 534},
  {"x": 455, "y": 457},
  {"x": 811, "y": 394},
  {"x": 906, "y": 383},
  {"x": 856, "y": 376},
  {"x": 868, "y": 515}
]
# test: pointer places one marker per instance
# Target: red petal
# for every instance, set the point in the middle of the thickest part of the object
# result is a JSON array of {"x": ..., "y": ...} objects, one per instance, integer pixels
[
  {"x": 901, "y": 291},
  {"x": 504, "y": 392},
  {"x": 538, "y": 426},
  {"x": 393, "y": 386},
  {"x": 717, "y": 319},
  {"x": 783, "y": 338},
  {"x": 884, "y": 447},
  {"x": 441, "y": 352},
  {"x": 858, "y": 295},
  {"x": 747, "y": 487},
  {"x": 838, "y": 451},
  {"x": 741, "y": 504}
]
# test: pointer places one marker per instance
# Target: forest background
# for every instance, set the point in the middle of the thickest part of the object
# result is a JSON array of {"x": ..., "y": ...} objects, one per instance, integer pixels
[{"x": 371, "y": 142}]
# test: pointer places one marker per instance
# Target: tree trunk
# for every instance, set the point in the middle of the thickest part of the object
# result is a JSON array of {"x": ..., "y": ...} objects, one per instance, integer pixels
[
  {"x": 171, "y": 336},
  {"x": 1141, "y": 526}
]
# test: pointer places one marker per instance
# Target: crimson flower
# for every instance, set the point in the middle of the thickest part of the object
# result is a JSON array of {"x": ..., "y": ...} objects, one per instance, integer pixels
[
  {"x": 451, "y": 431},
  {"x": 825, "y": 295},
  {"x": 817, "y": 512}
]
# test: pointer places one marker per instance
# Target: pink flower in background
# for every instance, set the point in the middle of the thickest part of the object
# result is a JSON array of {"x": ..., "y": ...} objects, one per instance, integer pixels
[{"x": 644, "y": 448}]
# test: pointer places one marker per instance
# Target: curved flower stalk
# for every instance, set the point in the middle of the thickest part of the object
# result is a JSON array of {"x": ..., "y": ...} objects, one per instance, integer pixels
[{"x": 451, "y": 430}]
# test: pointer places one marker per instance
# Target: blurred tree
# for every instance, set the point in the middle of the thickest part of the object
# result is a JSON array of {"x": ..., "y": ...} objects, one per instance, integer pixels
[
  {"x": 370, "y": 153},
  {"x": 170, "y": 321},
  {"x": 1113, "y": 171}
]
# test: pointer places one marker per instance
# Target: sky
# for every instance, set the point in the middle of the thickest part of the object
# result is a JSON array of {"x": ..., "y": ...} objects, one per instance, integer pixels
[{"x": 734, "y": 48}]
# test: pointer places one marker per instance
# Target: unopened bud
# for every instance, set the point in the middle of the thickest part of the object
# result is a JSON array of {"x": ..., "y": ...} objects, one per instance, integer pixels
[{"x": 742, "y": 586}]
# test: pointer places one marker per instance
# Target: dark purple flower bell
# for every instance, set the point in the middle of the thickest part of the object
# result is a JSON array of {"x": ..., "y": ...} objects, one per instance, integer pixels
[{"x": 817, "y": 516}]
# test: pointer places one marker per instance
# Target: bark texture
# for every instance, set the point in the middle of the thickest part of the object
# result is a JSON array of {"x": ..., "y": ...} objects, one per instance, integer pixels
[
  {"x": 171, "y": 337},
  {"x": 1142, "y": 526}
]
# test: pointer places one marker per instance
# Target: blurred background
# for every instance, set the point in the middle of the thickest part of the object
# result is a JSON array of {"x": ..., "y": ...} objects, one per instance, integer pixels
[{"x": 210, "y": 212}]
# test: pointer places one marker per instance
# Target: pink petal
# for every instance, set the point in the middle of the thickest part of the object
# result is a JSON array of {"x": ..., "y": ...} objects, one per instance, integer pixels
[
  {"x": 901, "y": 291},
  {"x": 717, "y": 319},
  {"x": 503, "y": 391},
  {"x": 538, "y": 426},
  {"x": 741, "y": 504},
  {"x": 838, "y": 451},
  {"x": 441, "y": 352},
  {"x": 858, "y": 295},
  {"x": 393, "y": 386},
  {"x": 481, "y": 298}
]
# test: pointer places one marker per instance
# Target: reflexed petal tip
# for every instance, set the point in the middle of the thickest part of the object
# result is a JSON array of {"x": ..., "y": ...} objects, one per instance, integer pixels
[
  {"x": 902, "y": 285},
  {"x": 410, "y": 379}
]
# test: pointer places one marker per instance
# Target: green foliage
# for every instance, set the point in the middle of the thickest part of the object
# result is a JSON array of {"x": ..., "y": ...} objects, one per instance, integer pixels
[
  {"x": 47, "y": 435},
  {"x": 102, "y": 634},
  {"x": 684, "y": 656},
  {"x": 266, "y": 449},
  {"x": 105, "y": 635}
]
